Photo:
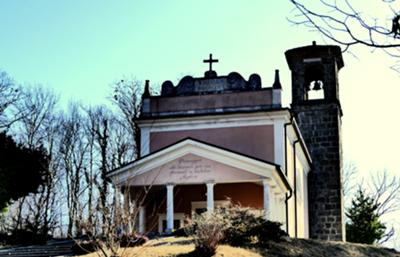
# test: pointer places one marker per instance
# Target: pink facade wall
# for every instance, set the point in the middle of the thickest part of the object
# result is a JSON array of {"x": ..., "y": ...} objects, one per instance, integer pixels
[
  {"x": 255, "y": 141},
  {"x": 211, "y": 101}
]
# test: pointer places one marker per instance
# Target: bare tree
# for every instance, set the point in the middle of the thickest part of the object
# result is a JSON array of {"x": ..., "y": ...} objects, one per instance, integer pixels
[
  {"x": 36, "y": 128},
  {"x": 348, "y": 25},
  {"x": 37, "y": 108},
  {"x": 10, "y": 94},
  {"x": 73, "y": 150},
  {"x": 83, "y": 145},
  {"x": 122, "y": 213},
  {"x": 385, "y": 190},
  {"x": 99, "y": 119},
  {"x": 350, "y": 172},
  {"x": 90, "y": 174},
  {"x": 128, "y": 98}
]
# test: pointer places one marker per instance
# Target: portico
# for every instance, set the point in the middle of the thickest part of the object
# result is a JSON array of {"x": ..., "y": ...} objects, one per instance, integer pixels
[{"x": 193, "y": 176}]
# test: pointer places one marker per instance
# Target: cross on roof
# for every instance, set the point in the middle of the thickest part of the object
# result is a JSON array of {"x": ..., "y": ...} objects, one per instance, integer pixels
[{"x": 210, "y": 61}]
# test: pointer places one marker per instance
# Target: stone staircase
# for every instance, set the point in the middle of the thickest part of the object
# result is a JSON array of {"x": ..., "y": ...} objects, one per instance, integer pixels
[{"x": 52, "y": 248}]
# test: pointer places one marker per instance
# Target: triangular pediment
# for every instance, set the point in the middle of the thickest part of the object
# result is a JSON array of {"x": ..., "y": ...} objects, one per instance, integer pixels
[{"x": 194, "y": 162}]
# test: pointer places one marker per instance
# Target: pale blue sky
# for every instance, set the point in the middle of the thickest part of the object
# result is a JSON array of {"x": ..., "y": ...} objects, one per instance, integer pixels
[{"x": 78, "y": 48}]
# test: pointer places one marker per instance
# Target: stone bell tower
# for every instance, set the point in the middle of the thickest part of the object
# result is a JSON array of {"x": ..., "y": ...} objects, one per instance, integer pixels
[{"x": 317, "y": 110}]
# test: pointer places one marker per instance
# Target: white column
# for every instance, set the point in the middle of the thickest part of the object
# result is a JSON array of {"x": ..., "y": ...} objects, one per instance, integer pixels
[
  {"x": 277, "y": 206},
  {"x": 142, "y": 219},
  {"x": 267, "y": 208},
  {"x": 210, "y": 197},
  {"x": 282, "y": 212},
  {"x": 272, "y": 206},
  {"x": 118, "y": 198},
  {"x": 273, "y": 203},
  {"x": 170, "y": 208}
]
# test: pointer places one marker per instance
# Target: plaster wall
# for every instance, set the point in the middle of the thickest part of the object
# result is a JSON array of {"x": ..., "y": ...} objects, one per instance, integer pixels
[
  {"x": 300, "y": 194},
  {"x": 210, "y": 101},
  {"x": 254, "y": 141}
]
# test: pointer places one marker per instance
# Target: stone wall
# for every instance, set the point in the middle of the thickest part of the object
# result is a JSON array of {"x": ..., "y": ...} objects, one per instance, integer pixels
[
  {"x": 319, "y": 121},
  {"x": 320, "y": 125}
]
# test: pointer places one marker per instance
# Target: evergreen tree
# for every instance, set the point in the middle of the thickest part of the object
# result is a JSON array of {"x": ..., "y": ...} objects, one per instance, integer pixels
[
  {"x": 22, "y": 170},
  {"x": 364, "y": 225}
]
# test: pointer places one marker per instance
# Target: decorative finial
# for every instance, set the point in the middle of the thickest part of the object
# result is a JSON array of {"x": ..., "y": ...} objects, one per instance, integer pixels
[
  {"x": 146, "y": 92},
  {"x": 210, "y": 73},
  {"x": 277, "y": 82}
]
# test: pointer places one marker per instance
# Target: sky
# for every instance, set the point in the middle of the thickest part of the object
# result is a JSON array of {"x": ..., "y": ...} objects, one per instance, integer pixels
[{"x": 80, "y": 48}]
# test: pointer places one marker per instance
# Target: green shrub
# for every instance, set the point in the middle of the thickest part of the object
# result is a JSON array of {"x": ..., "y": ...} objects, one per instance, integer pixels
[
  {"x": 265, "y": 230},
  {"x": 248, "y": 225},
  {"x": 241, "y": 220}
]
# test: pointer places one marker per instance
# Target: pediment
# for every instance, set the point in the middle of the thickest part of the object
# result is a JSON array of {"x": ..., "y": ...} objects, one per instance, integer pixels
[
  {"x": 194, "y": 162},
  {"x": 193, "y": 169}
]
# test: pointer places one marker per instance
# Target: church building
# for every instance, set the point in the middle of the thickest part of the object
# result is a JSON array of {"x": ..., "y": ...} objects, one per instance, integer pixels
[{"x": 214, "y": 139}]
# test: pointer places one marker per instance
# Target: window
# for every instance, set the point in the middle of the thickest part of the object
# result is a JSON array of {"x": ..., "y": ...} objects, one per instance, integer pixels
[
  {"x": 201, "y": 206},
  {"x": 200, "y": 210},
  {"x": 177, "y": 224},
  {"x": 162, "y": 221}
]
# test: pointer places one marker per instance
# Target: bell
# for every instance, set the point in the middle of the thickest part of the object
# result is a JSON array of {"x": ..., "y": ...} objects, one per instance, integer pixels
[
  {"x": 308, "y": 86},
  {"x": 317, "y": 85}
]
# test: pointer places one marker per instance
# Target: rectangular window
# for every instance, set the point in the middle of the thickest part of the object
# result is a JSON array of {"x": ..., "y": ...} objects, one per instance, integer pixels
[
  {"x": 162, "y": 221},
  {"x": 177, "y": 224},
  {"x": 199, "y": 207}
]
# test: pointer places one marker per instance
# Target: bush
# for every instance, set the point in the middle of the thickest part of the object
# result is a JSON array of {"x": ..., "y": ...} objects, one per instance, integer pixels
[
  {"x": 3, "y": 238},
  {"x": 183, "y": 231},
  {"x": 265, "y": 230},
  {"x": 87, "y": 244},
  {"x": 84, "y": 247},
  {"x": 233, "y": 225},
  {"x": 241, "y": 220},
  {"x": 208, "y": 229},
  {"x": 132, "y": 240},
  {"x": 27, "y": 237},
  {"x": 248, "y": 225}
]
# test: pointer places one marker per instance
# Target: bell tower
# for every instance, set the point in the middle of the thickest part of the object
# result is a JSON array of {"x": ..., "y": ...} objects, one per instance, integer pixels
[{"x": 316, "y": 108}]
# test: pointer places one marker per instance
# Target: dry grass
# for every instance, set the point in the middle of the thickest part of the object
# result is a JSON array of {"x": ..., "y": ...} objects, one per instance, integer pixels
[
  {"x": 177, "y": 247},
  {"x": 182, "y": 247},
  {"x": 317, "y": 248}
]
